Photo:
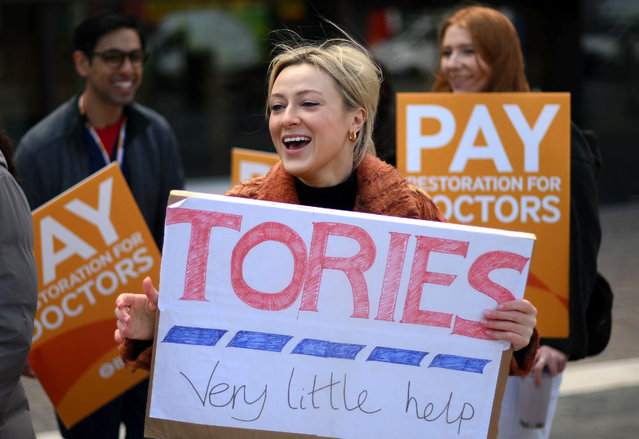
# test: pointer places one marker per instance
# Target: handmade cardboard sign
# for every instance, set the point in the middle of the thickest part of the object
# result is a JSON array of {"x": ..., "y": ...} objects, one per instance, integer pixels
[
  {"x": 499, "y": 160},
  {"x": 291, "y": 319},
  {"x": 91, "y": 243},
  {"x": 246, "y": 164}
]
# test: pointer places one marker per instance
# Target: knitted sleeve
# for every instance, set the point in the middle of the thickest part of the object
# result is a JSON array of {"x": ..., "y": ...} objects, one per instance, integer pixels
[
  {"x": 137, "y": 354},
  {"x": 429, "y": 210},
  {"x": 523, "y": 360}
]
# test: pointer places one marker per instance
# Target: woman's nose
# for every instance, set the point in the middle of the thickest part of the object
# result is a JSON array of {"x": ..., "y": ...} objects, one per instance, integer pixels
[
  {"x": 290, "y": 117},
  {"x": 453, "y": 60}
]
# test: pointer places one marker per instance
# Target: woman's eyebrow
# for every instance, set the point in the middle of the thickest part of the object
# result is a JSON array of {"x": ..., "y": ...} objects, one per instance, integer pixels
[{"x": 297, "y": 93}]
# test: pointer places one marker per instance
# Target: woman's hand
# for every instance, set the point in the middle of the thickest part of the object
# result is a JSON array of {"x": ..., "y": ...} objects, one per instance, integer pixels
[
  {"x": 512, "y": 321},
  {"x": 136, "y": 313},
  {"x": 550, "y": 358}
]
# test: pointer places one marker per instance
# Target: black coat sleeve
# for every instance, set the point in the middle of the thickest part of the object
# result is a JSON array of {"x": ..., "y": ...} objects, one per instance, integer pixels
[{"x": 585, "y": 238}]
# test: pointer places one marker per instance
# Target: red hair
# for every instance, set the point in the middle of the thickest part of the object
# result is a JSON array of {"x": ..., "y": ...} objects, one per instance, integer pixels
[{"x": 496, "y": 41}]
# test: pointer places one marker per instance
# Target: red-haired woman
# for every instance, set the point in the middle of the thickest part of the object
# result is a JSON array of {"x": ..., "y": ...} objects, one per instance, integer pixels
[{"x": 480, "y": 52}]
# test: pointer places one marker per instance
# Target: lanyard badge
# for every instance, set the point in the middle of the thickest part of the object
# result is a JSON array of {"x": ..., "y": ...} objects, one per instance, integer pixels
[{"x": 119, "y": 156}]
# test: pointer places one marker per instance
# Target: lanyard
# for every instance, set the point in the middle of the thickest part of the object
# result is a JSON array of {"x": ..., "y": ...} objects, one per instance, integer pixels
[{"x": 96, "y": 138}]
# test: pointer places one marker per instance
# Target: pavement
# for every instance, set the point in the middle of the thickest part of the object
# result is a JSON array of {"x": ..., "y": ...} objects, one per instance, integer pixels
[{"x": 599, "y": 396}]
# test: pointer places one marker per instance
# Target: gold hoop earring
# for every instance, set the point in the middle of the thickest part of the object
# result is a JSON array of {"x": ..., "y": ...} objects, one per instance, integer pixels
[{"x": 352, "y": 136}]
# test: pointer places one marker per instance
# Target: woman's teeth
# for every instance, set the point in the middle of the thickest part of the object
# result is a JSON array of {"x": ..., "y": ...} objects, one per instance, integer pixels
[{"x": 296, "y": 142}]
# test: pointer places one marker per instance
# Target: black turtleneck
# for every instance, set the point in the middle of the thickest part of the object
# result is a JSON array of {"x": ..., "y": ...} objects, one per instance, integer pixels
[{"x": 341, "y": 196}]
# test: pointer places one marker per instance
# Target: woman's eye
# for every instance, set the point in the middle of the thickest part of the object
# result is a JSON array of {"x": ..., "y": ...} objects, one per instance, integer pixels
[
  {"x": 276, "y": 107},
  {"x": 309, "y": 104},
  {"x": 447, "y": 53},
  {"x": 470, "y": 51}
]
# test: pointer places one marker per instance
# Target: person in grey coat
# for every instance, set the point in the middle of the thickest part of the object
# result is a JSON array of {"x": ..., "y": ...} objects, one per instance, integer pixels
[{"x": 18, "y": 298}]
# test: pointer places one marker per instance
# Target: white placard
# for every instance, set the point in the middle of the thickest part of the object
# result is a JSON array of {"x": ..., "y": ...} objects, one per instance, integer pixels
[{"x": 339, "y": 324}]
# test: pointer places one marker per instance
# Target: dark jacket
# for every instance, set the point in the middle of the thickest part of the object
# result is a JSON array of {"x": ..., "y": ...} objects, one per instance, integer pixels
[
  {"x": 381, "y": 189},
  {"x": 590, "y": 294},
  {"x": 18, "y": 300},
  {"x": 52, "y": 157}
]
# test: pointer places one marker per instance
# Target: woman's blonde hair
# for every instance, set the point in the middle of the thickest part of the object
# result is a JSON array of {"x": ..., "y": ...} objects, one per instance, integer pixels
[
  {"x": 496, "y": 42},
  {"x": 356, "y": 75}
]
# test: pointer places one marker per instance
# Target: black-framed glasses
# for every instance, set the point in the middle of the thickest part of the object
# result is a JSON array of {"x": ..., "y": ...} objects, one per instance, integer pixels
[{"x": 115, "y": 57}]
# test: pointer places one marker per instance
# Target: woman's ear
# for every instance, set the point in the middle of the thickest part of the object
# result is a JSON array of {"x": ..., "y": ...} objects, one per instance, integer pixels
[{"x": 359, "y": 117}]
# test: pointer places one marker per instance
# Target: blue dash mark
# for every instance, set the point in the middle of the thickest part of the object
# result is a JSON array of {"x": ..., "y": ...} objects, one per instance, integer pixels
[
  {"x": 327, "y": 349},
  {"x": 397, "y": 356},
  {"x": 455, "y": 362},
  {"x": 262, "y": 341},
  {"x": 193, "y": 335}
]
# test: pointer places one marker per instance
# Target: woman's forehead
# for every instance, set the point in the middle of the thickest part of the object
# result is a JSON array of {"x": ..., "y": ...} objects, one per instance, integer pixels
[{"x": 302, "y": 77}]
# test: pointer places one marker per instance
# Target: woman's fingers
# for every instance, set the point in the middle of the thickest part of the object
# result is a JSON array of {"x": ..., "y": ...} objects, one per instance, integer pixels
[
  {"x": 135, "y": 314},
  {"x": 519, "y": 308},
  {"x": 519, "y": 339},
  {"x": 151, "y": 293},
  {"x": 117, "y": 336},
  {"x": 551, "y": 359},
  {"x": 513, "y": 321}
]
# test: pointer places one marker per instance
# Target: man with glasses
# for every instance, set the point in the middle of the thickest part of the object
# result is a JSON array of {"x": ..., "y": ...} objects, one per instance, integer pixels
[{"x": 100, "y": 125}]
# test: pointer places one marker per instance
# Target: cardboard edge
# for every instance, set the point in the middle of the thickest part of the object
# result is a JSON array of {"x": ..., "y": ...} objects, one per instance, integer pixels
[
  {"x": 176, "y": 429},
  {"x": 149, "y": 427},
  {"x": 179, "y": 195},
  {"x": 502, "y": 379}
]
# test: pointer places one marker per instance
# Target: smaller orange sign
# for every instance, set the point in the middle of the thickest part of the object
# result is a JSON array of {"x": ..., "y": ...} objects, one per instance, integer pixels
[
  {"x": 246, "y": 164},
  {"x": 91, "y": 243}
]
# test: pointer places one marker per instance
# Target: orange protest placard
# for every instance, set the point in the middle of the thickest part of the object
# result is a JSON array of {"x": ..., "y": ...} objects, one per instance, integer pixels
[
  {"x": 499, "y": 160},
  {"x": 91, "y": 243},
  {"x": 246, "y": 164}
]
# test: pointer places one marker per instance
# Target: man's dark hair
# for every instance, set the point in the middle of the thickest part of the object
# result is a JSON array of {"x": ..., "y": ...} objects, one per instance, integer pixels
[{"x": 87, "y": 33}]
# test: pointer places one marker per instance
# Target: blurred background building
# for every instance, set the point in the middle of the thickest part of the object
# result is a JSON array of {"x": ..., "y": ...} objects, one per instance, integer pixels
[{"x": 208, "y": 63}]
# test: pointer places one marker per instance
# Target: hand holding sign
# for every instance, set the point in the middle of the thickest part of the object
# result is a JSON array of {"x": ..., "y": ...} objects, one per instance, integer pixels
[
  {"x": 136, "y": 313},
  {"x": 512, "y": 321}
]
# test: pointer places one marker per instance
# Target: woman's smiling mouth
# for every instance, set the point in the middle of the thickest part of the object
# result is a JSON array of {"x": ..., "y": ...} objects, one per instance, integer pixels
[{"x": 296, "y": 142}]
